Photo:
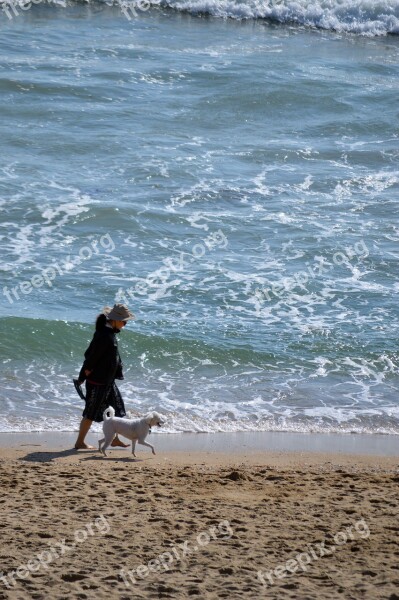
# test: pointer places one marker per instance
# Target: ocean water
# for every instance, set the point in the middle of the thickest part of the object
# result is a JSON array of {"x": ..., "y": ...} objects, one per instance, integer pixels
[{"x": 229, "y": 169}]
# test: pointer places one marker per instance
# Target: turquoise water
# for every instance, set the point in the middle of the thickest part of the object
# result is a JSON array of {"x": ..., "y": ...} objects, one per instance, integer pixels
[{"x": 234, "y": 180}]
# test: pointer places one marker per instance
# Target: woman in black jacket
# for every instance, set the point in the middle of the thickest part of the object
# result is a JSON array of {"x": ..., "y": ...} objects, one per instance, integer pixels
[{"x": 101, "y": 367}]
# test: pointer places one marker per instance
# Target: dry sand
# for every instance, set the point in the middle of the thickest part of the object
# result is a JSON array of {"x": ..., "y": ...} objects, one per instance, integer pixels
[{"x": 197, "y": 524}]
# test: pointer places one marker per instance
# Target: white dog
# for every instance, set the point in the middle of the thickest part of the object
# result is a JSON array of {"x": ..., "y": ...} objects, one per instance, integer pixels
[{"x": 136, "y": 430}]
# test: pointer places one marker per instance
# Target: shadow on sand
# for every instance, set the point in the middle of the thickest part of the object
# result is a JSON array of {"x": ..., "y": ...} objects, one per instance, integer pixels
[
  {"x": 49, "y": 456},
  {"x": 129, "y": 458},
  {"x": 84, "y": 455}
]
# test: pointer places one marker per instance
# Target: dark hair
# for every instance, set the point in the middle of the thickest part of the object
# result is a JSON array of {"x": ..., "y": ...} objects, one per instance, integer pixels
[{"x": 101, "y": 321}]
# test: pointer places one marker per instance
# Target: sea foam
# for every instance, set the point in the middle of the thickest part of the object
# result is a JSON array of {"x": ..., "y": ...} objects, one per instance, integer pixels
[{"x": 364, "y": 17}]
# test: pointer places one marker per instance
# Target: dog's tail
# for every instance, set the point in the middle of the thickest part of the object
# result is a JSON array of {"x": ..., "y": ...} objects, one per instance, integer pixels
[{"x": 108, "y": 413}]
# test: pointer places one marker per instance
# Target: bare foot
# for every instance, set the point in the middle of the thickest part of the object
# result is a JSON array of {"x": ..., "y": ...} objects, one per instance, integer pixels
[
  {"x": 117, "y": 442},
  {"x": 84, "y": 447}
]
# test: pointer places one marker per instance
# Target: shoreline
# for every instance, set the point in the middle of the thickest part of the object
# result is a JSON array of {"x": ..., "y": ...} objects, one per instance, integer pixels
[{"x": 237, "y": 443}]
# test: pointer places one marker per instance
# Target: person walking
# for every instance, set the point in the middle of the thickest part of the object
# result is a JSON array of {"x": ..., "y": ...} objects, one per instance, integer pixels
[{"x": 102, "y": 365}]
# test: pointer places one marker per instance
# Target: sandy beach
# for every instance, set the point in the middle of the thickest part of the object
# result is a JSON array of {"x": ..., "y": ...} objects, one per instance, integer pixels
[
  {"x": 205, "y": 524},
  {"x": 197, "y": 202}
]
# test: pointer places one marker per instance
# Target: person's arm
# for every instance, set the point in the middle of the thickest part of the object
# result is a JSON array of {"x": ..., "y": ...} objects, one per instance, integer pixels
[
  {"x": 84, "y": 373},
  {"x": 119, "y": 370}
]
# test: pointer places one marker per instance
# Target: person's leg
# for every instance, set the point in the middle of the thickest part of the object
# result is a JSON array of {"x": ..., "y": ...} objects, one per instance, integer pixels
[
  {"x": 89, "y": 415},
  {"x": 117, "y": 442},
  {"x": 80, "y": 443},
  {"x": 115, "y": 400}
]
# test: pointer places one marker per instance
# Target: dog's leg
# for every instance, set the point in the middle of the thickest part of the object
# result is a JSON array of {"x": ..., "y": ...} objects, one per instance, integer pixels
[
  {"x": 134, "y": 448},
  {"x": 108, "y": 440},
  {"x": 99, "y": 444},
  {"x": 143, "y": 443}
]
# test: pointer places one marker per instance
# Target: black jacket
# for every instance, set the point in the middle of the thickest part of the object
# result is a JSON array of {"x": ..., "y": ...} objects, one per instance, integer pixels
[{"x": 102, "y": 358}]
